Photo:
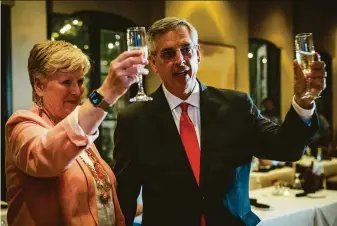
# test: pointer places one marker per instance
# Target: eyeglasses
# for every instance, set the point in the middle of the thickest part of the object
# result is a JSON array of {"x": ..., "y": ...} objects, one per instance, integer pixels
[{"x": 170, "y": 54}]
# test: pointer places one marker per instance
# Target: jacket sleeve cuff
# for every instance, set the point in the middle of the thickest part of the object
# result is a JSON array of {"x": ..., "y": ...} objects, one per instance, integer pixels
[
  {"x": 305, "y": 114},
  {"x": 76, "y": 133}
]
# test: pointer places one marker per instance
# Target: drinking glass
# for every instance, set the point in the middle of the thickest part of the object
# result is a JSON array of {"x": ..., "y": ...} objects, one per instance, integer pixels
[
  {"x": 297, "y": 184},
  {"x": 136, "y": 41},
  {"x": 305, "y": 55}
]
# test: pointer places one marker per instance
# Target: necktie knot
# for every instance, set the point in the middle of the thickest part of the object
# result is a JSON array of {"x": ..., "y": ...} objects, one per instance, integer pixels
[{"x": 184, "y": 106}]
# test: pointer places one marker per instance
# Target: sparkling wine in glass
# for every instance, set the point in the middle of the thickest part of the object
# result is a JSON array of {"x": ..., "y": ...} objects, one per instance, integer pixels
[
  {"x": 136, "y": 40},
  {"x": 305, "y": 55}
]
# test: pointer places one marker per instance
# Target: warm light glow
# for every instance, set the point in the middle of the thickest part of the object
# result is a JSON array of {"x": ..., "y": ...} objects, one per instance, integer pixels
[
  {"x": 110, "y": 45},
  {"x": 75, "y": 22},
  {"x": 86, "y": 47},
  {"x": 212, "y": 8},
  {"x": 117, "y": 43},
  {"x": 250, "y": 55},
  {"x": 264, "y": 60},
  {"x": 117, "y": 37},
  {"x": 66, "y": 28},
  {"x": 55, "y": 35}
]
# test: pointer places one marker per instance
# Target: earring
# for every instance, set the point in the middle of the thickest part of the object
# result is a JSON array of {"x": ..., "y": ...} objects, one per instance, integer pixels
[{"x": 40, "y": 103}]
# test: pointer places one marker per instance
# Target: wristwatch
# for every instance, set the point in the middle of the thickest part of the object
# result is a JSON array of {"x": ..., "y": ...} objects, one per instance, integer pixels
[{"x": 98, "y": 100}]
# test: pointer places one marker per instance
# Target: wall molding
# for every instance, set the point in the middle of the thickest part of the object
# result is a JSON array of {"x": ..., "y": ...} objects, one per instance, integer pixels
[{"x": 10, "y": 3}]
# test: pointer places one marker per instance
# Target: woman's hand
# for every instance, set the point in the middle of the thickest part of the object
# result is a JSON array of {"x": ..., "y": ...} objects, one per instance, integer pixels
[{"x": 122, "y": 74}]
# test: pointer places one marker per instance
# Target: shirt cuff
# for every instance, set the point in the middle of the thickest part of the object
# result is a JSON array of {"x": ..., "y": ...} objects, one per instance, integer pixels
[
  {"x": 305, "y": 114},
  {"x": 73, "y": 121}
]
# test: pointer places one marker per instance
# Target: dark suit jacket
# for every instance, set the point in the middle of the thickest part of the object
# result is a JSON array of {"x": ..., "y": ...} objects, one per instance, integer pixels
[{"x": 149, "y": 152}]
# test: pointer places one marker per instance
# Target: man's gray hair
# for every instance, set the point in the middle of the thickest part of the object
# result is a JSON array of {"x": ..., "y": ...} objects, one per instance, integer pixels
[{"x": 165, "y": 25}]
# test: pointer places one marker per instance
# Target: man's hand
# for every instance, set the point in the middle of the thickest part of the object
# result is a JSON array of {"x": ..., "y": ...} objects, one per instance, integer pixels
[{"x": 316, "y": 82}]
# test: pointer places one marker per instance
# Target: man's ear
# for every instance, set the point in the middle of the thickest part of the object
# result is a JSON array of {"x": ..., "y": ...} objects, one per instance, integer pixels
[
  {"x": 153, "y": 63},
  {"x": 39, "y": 86},
  {"x": 198, "y": 54}
]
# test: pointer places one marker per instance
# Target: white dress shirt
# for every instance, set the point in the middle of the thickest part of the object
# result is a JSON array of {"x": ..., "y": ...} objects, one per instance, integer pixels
[{"x": 194, "y": 109}]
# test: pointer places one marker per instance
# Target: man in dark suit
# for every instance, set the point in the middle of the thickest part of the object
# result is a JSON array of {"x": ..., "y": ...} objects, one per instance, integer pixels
[{"x": 189, "y": 148}]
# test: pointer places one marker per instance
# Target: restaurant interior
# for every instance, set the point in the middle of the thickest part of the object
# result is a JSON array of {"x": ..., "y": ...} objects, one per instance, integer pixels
[{"x": 246, "y": 45}]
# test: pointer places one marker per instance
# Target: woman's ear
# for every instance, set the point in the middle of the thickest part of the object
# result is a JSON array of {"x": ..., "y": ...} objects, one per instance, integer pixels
[{"x": 39, "y": 86}]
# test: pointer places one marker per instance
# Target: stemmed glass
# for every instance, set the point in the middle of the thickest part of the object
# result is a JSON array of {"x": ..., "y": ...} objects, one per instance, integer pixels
[
  {"x": 297, "y": 181},
  {"x": 305, "y": 55},
  {"x": 136, "y": 40}
]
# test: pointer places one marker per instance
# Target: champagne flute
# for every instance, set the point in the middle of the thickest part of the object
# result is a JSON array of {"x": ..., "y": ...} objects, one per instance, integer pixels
[
  {"x": 136, "y": 41},
  {"x": 305, "y": 55}
]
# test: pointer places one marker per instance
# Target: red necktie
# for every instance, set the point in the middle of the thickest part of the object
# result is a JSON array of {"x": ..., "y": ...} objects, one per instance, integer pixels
[{"x": 191, "y": 145}]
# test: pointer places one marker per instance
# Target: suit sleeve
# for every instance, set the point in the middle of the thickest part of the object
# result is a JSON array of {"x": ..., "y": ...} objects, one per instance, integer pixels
[
  {"x": 283, "y": 143},
  {"x": 126, "y": 169}
]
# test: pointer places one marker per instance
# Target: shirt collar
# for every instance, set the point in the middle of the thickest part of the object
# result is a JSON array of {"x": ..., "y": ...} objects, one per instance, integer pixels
[{"x": 193, "y": 99}]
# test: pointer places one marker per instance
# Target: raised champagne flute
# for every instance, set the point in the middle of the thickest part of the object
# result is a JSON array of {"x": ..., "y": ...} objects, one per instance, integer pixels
[
  {"x": 305, "y": 55},
  {"x": 136, "y": 40}
]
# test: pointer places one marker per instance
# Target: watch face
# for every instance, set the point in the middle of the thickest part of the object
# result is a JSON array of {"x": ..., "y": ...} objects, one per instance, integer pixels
[{"x": 95, "y": 97}]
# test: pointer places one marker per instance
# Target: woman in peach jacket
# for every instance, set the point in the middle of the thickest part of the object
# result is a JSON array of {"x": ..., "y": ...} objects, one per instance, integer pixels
[{"x": 55, "y": 175}]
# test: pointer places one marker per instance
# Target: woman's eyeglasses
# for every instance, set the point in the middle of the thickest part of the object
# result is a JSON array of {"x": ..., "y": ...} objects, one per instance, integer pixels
[{"x": 170, "y": 54}]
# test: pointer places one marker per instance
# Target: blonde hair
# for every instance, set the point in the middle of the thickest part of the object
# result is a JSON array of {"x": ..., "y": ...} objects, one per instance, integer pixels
[
  {"x": 48, "y": 57},
  {"x": 165, "y": 25}
]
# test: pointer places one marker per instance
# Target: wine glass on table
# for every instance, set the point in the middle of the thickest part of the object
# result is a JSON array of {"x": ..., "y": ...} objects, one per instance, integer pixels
[{"x": 136, "y": 40}]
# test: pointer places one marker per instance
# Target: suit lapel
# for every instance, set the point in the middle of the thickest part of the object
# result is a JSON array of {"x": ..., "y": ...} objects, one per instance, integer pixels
[
  {"x": 210, "y": 108},
  {"x": 162, "y": 116},
  {"x": 210, "y": 111}
]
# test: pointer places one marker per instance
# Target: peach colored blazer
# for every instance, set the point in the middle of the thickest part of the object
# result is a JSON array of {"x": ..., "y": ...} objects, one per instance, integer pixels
[{"x": 47, "y": 183}]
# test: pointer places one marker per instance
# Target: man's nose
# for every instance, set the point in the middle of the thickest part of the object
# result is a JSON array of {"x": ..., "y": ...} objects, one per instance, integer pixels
[{"x": 179, "y": 58}]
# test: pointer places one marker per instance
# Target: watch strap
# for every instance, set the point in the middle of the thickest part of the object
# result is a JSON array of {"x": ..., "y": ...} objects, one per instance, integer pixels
[
  {"x": 96, "y": 96},
  {"x": 104, "y": 105}
]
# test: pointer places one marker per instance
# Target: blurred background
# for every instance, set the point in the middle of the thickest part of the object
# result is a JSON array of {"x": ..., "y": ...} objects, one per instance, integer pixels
[{"x": 254, "y": 38}]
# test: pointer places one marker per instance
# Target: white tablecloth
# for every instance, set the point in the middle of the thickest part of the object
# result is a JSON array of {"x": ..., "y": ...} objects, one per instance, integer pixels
[
  {"x": 329, "y": 167},
  {"x": 291, "y": 210},
  {"x": 3, "y": 214},
  {"x": 296, "y": 211},
  {"x": 261, "y": 180}
]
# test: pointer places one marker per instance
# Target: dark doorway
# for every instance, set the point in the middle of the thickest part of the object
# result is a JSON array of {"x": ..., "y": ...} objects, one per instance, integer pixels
[
  {"x": 6, "y": 85},
  {"x": 264, "y": 71}
]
